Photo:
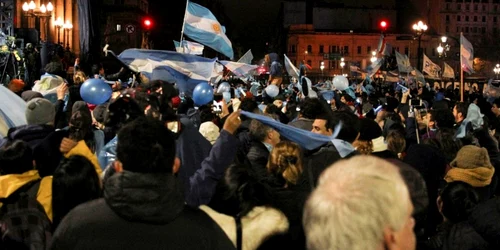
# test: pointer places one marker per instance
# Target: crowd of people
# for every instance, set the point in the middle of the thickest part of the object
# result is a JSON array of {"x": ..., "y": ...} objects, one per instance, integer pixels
[{"x": 391, "y": 169}]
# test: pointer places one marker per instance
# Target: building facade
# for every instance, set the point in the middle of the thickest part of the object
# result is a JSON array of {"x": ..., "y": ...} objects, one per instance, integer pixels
[
  {"x": 123, "y": 27},
  {"x": 351, "y": 32},
  {"x": 64, "y": 10}
]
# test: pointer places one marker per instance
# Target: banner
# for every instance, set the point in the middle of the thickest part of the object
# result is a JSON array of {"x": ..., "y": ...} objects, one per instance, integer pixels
[
  {"x": 431, "y": 68},
  {"x": 448, "y": 71}
]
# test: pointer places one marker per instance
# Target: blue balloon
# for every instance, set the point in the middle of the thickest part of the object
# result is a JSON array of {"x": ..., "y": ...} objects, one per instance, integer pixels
[
  {"x": 95, "y": 91},
  {"x": 203, "y": 93}
]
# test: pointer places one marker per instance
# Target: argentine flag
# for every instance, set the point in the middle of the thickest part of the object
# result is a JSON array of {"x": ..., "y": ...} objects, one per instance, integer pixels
[
  {"x": 184, "y": 69},
  {"x": 239, "y": 69},
  {"x": 202, "y": 26},
  {"x": 188, "y": 47}
]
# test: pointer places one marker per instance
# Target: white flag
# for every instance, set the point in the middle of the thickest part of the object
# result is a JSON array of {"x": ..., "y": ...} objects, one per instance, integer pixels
[
  {"x": 448, "y": 71},
  {"x": 431, "y": 68},
  {"x": 247, "y": 57}
]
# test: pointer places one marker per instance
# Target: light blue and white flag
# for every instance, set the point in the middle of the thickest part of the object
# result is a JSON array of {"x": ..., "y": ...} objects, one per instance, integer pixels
[
  {"x": 239, "y": 69},
  {"x": 184, "y": 69},
  {"x": 12, "y": 110},
  {"x": 202, "y": 26},
  {"x": 403, "y": 63},
  {"x": 466, "y": 55},
  {"x": 247, "y": 57},
  {"x": 290, "y": 68},
  {"x": 188, "y": 47},
  {"x": 374, "y": 67}
]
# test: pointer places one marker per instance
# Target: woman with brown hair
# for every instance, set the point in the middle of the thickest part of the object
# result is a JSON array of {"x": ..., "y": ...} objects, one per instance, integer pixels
[{"x": 285, "y": 163}]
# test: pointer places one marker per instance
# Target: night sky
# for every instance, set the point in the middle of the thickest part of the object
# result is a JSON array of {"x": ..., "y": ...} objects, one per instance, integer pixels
[{"x": 249, "y": 23}]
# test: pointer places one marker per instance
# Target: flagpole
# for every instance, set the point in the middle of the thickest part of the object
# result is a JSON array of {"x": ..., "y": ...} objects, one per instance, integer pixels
[
  {"x": 461, "y": 71},
  {"x": 182, "y": 30}
]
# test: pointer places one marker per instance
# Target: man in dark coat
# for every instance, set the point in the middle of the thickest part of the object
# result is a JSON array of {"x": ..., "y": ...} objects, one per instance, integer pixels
[{"x": 143, "y": 206}]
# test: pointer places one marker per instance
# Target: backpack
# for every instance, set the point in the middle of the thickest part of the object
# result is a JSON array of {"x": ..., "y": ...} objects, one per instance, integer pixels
[{"x": 23, "y": 221}]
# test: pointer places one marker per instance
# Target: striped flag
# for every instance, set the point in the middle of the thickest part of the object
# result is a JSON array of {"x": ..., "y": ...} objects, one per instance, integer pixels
[
  {"x": 202, "y": 26},
  {"x": 188, "y": 47},
  {"x": 247, "y": 57},
  {"x": 239, "y": 69},
  {"x": 184, "y": 69},
  {"x": 466, "y": 55}
]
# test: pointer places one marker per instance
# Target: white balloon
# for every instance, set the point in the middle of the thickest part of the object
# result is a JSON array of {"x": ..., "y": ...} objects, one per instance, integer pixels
[
  {"x": 272, "y": 90},
  {"x": 340, "y": 83}
]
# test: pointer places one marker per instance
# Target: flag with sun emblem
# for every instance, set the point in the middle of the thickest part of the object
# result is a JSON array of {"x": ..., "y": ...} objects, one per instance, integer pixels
[{"x": 202, "y": 26}]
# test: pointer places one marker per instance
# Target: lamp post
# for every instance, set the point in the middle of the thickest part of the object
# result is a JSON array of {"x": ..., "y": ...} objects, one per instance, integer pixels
[
  {"x": 43, "y": 13},
  {"x": 322, "y": 67},
  {"x": 374, "y": 57},
  {"x": 58, "y": 23},
  {"x": 67, "y": 28},
  {"x": 342, "y": 64},
  {"x": 442, "y": 51},
  {"x": 419, "y": 28},
  {"x": 497, "y": 70}
]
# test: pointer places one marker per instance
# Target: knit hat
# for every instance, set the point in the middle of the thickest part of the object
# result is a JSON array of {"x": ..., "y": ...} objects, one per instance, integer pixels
[
  {"x": 369, "y": 130},
  {"x": 28, "y": 95},
  {"x": 100, "y": 113},
  {"x": 16, "y": 85},
  {"x": 471, "y": 165},
  {"x": 210, "y": 131},
  {"x": 40, "y": 111}
]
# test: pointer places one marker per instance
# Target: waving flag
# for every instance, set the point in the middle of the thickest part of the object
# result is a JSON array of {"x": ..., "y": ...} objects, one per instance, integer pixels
[
  {"x": 188, "y": 47},
  {"x": 374, "y": 67},
  {"x": 290, "y": 68},
  {"x": 239, "y": 69},
  {"x": 247, "y": 57},
  {"x": 466, "y": 54},
  {"x": 448, "y": 71},
  {"x": 403, "y": 63},
  {"x": 383, "y": 47},
  {"x": 184, "y": 69},
  {"x": 12, "y": 109},
  {"x": 431, "y": 68},
  {"x": 202, "y": 26}
]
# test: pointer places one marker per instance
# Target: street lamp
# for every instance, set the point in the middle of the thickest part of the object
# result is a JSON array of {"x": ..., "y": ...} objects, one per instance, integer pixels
[
  {"x": 58, "y": 23},
  {"x": 67, "y": 28},
  {"x": 497, "y": 70},
  {"x": 419, "y": 28},
  {"x": 374, "y": 57},
  {"x": 305, "y": 54},
  {"x": 44, "y": 12},
  {"x": 442, "y": 50},
  {"x": 322, "y": 67},
  {"x": 342, "y": 64}
]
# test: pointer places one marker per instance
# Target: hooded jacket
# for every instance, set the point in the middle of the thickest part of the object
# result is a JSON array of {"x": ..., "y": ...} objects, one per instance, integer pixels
[{"x": 139, "y": 211}]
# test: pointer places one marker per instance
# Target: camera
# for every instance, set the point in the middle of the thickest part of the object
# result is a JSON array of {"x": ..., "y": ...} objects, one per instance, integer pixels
[{"x": 416, "y": 103}]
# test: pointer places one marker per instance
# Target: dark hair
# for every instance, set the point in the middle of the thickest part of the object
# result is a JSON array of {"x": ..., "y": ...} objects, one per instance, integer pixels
[
  {"x": 74, "y": 182},
  {"x": 95, "y": 69},
  {"x": 248, "y": 105},
  {"x": 243, "y": 186},
  {"x": 80, "y": 128},
  {"x": 462, "y": 108},
  {"x": 443, "y": 118},
  {"x": 123, "y": 110},
  {"x": 16, "y": 158},
  {"x": 497, "y": 102},
  {"x": 146, "y": 146},
  {"x": 185, "y": 105},
  {"x": 310, "y": 108},
  {"x": 459, "y": 199},
  {"x": 448, "y": 143},
  {"x": 350, "y": 125},
  {"x": 258, "y": 131}
]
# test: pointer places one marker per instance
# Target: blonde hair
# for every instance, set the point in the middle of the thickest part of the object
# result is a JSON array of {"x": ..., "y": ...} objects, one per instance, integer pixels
[
  {"x": 285, "y": 160},
  {"x": 355, "y": 201},
  {"x": 79, "y": 77}
]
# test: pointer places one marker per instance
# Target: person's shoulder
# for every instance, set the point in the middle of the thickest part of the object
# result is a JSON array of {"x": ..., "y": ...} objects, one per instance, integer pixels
[{"x": 91, "y": 209}]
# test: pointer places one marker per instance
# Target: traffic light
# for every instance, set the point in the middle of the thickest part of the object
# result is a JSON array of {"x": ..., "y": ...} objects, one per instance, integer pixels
[
  {"x": 147, "y": 23},
  {"x": 384, "y": 24}
]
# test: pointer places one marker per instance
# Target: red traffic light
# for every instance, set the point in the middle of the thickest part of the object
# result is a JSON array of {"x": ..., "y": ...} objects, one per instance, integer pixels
[
  {"x": 383, "y": 24},
  {"x": 147, "y": 23}
]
